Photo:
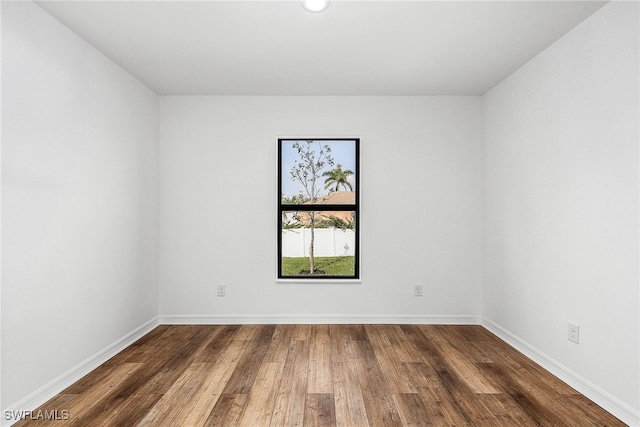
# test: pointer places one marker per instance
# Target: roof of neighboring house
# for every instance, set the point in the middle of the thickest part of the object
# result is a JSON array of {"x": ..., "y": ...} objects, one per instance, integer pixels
[
  {"x": 337, "y": 198},
  {"x": 333, "y": 198}
]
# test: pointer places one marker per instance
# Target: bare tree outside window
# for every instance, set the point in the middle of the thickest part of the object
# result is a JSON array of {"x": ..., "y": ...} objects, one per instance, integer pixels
[{"x": 306, "y": 170}]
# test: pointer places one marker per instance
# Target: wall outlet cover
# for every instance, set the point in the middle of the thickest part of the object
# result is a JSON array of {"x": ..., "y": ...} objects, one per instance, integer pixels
[
  {"x": 574, "y": 332},
  {"x": 417, "y": 290}
]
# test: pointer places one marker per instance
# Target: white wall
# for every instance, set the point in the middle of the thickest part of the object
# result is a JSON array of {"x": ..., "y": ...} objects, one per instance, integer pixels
[
  {"x": 79, "y": 199},
  {"x": 561, "y": 198},
  {"x": 421, "y": 205}
]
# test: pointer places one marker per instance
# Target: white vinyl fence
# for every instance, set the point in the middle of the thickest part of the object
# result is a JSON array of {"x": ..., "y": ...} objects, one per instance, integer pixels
[{"x": 328, "y": 242}]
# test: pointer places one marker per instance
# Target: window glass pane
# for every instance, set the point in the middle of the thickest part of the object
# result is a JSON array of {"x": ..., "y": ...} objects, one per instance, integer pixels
[
  {"x": 332, "y": 162},
  {"x": 334, "y": 245}
]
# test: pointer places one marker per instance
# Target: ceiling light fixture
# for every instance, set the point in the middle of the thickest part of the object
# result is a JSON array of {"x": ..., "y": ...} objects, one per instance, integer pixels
[{"x": 315, "y": 6}]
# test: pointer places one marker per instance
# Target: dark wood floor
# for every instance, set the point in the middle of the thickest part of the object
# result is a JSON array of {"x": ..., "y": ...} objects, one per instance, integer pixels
[{"x": 321, "y": 375}]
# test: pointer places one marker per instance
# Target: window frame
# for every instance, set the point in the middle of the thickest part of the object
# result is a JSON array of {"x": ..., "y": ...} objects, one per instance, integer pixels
[{"x": 355, "y": 207}]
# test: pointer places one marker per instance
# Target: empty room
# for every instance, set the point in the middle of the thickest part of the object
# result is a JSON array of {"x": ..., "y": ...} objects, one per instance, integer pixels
[{"x": 344, "y": 213}]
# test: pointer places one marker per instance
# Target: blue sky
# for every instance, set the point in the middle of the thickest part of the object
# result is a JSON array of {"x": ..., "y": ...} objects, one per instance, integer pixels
[{"x": 343, "y": 152}]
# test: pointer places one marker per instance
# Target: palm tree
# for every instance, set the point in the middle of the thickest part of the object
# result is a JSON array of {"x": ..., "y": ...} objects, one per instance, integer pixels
[{"x": 338, "y": 177}]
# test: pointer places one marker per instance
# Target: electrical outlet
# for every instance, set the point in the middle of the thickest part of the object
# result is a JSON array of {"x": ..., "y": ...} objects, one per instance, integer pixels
[
  {"x": 417, "y": 290},
  {"x": 222, "y": 290},
  {"x": 574, "y": 333}
]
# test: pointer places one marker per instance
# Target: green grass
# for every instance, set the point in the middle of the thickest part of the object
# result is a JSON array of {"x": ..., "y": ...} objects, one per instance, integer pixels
[{"x": 332, "y": 266}]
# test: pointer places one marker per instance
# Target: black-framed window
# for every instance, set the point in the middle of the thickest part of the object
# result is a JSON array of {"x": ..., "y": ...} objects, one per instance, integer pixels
[{"x": 318, "y": 208}]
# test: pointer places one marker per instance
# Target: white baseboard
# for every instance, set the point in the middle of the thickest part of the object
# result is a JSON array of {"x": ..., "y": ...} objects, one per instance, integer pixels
[
  {"x": 611, "y": 404},
  {"x": 270, "y": 319},
  {"x": 48, "y": 391}
]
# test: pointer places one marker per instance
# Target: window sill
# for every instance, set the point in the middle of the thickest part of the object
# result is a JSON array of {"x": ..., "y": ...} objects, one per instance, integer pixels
[{"x": 302, "y": 281}]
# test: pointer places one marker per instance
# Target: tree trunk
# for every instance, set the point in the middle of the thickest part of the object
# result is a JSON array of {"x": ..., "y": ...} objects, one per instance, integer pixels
[{"x": 312, "y": 267}]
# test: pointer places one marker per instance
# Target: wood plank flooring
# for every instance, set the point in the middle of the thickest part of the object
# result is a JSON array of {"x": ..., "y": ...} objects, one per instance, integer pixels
[{"x": 320, "y": 375}]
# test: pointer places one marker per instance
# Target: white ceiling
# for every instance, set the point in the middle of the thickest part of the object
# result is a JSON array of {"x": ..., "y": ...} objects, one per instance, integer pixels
[{"x": 353, "y": 48}]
